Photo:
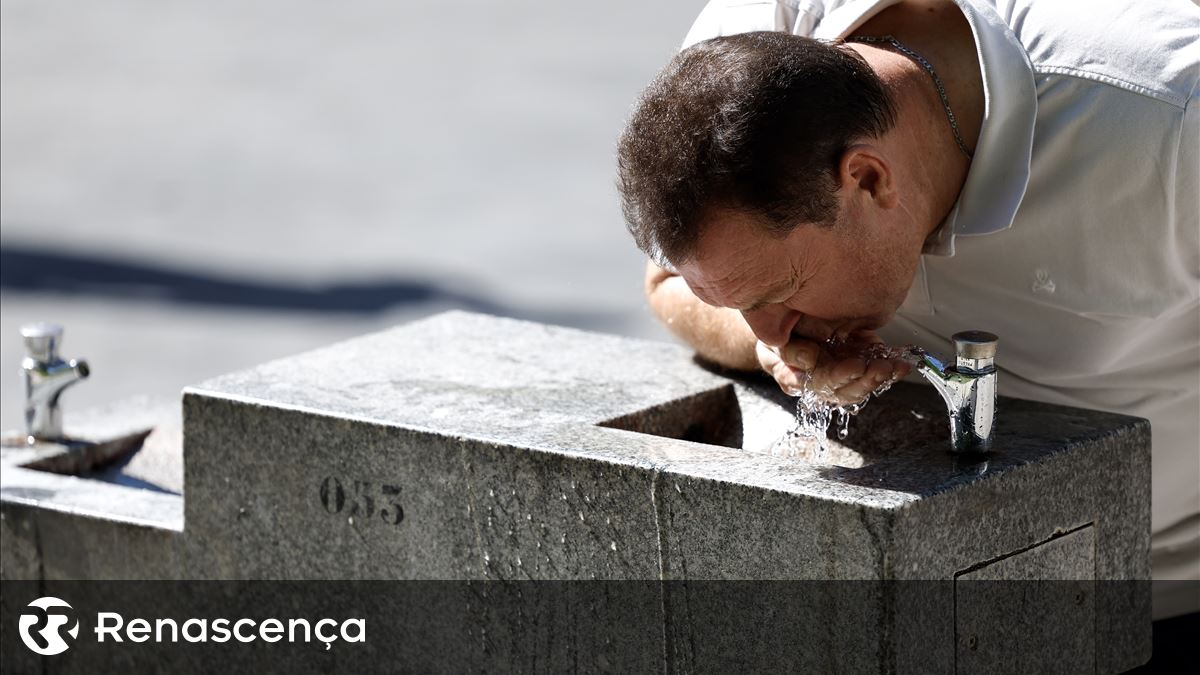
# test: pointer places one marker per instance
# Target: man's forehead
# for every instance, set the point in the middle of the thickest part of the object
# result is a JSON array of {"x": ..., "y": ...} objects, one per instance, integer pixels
[{"x": 756, "y": 282}]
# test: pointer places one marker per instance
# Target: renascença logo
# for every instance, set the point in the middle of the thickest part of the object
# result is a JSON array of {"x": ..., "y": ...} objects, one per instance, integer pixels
[
  {"x": 43, "y": 623},
  {"x": 46, "y": 619}
]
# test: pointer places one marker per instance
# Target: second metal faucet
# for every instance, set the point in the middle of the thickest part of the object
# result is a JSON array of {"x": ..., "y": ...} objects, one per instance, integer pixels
[
  {"x": 46, "y": 376},
  {"x": 968, "y": 388}
]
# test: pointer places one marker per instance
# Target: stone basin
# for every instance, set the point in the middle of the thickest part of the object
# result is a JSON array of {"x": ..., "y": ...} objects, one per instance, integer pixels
[
  {"x": 751, "y": 413},
  {"x": 122, "y": 462},
  {"x": 136, "y": 442},
  {"x": 72, "y": 455}
]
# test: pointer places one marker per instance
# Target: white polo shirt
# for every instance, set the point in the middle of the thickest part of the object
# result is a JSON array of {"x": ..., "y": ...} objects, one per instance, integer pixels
[{"x": 1076, "y": 237}]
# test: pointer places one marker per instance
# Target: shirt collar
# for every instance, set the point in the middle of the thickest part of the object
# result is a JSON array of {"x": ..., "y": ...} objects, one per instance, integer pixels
[{"x": 999, "y": 172}]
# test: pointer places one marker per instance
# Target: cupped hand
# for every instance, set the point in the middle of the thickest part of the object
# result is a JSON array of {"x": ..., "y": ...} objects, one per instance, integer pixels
[{"x": 840, "y": 374}]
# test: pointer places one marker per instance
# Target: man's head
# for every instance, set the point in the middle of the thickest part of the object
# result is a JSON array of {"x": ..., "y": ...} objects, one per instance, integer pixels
[{"x": 751, "y": 165}]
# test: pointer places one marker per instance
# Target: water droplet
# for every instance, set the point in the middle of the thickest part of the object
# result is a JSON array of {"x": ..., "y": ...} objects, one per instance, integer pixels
[
  {"x": 563, "y": 539},
  {"x": 581, "y": 516},
  {"x": 613, "y": 546},
  {"x": 491, "y": 492},
  {"x": 350, "y": 520},
  {"x": 677, "y": 489},
  {"x": 844, "y": 421},
  {"x": 528, "y": 516}
]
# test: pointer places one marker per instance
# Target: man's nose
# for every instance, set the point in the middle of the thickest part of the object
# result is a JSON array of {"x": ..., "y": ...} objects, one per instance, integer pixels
[{"x": 772, "y": 324}]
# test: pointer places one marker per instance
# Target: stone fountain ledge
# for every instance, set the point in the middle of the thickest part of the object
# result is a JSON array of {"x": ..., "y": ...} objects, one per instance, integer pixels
[
  {"x": 465, "y": 380},
  {"x": 472, "y": 447},
  {"x": 478, "y": 420},
  {"x": 554, "y": 390},
  {"x": 141, "y": 486}
]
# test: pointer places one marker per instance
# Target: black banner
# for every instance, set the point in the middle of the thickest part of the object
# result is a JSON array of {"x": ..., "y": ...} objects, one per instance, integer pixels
[{"x": 577, "y": 626}]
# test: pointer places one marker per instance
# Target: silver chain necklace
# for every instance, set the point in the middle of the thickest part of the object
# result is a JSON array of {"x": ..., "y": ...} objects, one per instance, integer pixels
[{"x": 937, "y": 81}]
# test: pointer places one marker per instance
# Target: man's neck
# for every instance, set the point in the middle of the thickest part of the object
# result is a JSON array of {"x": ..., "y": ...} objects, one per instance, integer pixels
[{"x": 932, "y": 164}]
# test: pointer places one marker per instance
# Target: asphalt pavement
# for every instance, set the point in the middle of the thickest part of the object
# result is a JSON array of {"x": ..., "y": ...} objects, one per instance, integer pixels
[{"x": 195, "y": 188}]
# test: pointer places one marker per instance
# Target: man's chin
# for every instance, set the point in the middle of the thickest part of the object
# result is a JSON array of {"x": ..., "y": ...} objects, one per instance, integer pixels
[
  {"x": 883, "y": 319},
  {"x": 871, "y": 324}
]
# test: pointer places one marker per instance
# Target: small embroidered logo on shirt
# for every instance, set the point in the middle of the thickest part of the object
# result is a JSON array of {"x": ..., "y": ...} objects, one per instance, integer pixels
[{"x": 1042, "y": 283}]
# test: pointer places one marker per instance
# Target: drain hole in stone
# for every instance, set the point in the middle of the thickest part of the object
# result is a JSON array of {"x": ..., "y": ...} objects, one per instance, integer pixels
[{"x": 711, "y": 417}]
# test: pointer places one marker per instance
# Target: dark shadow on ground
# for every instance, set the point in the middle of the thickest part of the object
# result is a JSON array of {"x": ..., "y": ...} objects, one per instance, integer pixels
[{"x": 29, "y": 268}]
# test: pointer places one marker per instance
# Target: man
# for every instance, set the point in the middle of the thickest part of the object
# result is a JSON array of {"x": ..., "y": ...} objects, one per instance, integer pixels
[{"x": 926, "y": 166}]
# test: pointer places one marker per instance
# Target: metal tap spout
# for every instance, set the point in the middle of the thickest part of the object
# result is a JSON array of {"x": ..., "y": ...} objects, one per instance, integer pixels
[
  {"x": 968, "y": 388},
  {"x": 46, "y": 376}
]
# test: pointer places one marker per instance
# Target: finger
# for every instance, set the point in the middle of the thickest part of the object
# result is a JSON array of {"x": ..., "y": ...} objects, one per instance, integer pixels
[
  {"x": 894, "y": 370},
  {"x": 877, "y": 373},
  {"x": 790, "y": 380},
  {"x": 801, "y": 354},
  {"x": 855, "y": 392},
  {"x": 767, "y": 356},
  {"x": 793, "y": 382},
  {"x": 841, "y": 373}
]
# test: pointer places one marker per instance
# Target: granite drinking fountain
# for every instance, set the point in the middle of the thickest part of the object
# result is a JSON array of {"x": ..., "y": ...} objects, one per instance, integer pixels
[{"x": 468, "y": 447}]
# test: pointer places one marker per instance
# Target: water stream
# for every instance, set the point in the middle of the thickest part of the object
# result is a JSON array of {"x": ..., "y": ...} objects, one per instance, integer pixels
[{"x": 814, "y": 413}]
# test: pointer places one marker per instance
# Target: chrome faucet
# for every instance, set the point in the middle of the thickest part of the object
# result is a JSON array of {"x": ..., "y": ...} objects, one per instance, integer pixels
[
  {"x": 968, "y": 387},
  {"x": 46, "y": 376}
]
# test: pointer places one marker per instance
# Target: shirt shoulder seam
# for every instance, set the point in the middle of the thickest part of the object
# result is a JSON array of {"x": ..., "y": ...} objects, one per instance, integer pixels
[{"x": 1165, "y": 97}]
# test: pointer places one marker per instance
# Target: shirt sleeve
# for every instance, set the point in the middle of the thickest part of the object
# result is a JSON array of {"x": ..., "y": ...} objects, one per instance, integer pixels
[{"x": 731, "y": 17}]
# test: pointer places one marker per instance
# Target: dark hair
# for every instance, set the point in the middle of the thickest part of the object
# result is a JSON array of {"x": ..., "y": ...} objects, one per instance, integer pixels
[{"x": 757, "y": 122}]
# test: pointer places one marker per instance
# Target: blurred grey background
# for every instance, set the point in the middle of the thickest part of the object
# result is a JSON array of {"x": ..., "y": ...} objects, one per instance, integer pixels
[{"x": 193, "y": 188}]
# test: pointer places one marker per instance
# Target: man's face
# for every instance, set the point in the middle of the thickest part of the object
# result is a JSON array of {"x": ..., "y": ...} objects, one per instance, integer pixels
[{"x": 814, "y": 283}]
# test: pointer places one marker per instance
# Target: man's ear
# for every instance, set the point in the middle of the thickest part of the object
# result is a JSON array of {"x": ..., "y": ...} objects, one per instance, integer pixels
[{"x": 864, "y": 168}]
